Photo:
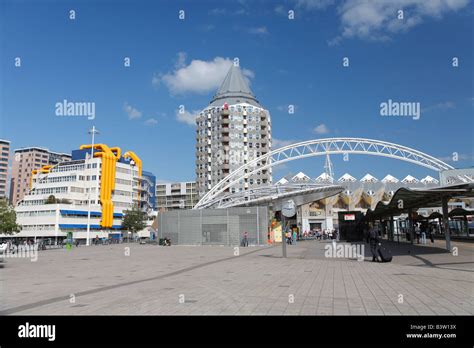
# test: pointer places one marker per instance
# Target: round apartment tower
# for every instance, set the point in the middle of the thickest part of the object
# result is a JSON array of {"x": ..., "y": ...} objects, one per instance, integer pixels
[{"x": 232, "y": 130}]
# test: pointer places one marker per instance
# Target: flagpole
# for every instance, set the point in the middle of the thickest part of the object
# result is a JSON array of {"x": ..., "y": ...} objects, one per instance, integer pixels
[{"x": 93, "y": 131}]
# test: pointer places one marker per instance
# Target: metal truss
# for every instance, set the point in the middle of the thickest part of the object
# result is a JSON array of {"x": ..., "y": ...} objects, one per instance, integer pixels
[
  {"x": 319, "y": 147},
  {"x": 267, "y": 193}
]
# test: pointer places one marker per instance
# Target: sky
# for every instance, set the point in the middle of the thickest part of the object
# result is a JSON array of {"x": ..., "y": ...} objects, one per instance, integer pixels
[{"x": 421, "y": 55}]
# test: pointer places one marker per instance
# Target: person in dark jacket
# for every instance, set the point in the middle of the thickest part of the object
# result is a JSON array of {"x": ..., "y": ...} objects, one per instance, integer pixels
[
  {"x": 373, "y": 240},
  {"x": 245, "y": 241}
]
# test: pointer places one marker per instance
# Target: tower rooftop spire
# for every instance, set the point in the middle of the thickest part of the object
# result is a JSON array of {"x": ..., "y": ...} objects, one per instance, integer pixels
[{"x": 234, "y": 89}]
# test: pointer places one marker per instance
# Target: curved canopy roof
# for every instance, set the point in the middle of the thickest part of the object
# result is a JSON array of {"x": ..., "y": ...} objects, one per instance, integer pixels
[
  {"x": 460, "y": 212},
  {"x": 415, "y": 199},
  {"x": 276, "y": 194}
]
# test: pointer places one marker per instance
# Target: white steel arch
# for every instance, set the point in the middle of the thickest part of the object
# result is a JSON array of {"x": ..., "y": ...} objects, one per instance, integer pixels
[{"x": 320, "y": 147}]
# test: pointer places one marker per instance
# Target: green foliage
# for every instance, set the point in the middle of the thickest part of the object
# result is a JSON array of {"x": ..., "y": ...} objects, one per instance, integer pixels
[
  {"x": 8, "y": 223},
  {"x": 134, "y": 220},
  {"x": 51, "y": 200}
]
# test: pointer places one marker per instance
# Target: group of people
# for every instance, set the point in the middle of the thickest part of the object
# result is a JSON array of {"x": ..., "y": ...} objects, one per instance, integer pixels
[
  {"x": 291, "y": 237},
  {"x": 38, "y": 244},
  {"x": 421, "y": 231},
  {"x": 104, "y": 240},
  {"x": 321, "y": 234}
]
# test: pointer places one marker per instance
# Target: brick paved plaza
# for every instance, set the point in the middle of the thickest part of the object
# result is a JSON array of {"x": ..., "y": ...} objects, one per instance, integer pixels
[{"x": 181, "y": 280}]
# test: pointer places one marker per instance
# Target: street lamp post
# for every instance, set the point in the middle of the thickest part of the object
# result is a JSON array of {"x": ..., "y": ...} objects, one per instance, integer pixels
[
  {"x": 288, "y": 210},
  {"x": 283, "y": 235},
  {"x": 92, "y": 131}
]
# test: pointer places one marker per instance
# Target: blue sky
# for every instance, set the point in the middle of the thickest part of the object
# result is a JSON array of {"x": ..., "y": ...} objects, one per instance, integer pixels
[{"x": 181, "y": 62}]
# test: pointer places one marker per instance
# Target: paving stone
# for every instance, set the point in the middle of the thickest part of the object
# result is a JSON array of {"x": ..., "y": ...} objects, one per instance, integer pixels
[{"x": 152, "y": 280}]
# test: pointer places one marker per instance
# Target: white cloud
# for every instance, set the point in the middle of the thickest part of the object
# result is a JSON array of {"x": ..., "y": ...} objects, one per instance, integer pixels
[
  {"x": 241, "y": 12},
  {"x": 197, "y": 77},
  {"x": 248, "y": 74},
  {"x": 151, "y": 122},
  {"x": 279, "y": 9},
  {"x": 321, "y": 129},
  {"x": 313, "y": 4},
  {"x": 218, "y": 11},
  {"x": 155, "y": 80},
  {"x": 277, "y": 143},
  {"x": 132, "y": 112},
  {"x": 446, "y": 105},
  {"x": 378, "y": 20},
  {"x": 207, "y": 27},
  {"x": 258, "y": 30},
  {"x": 440, "y": 106},
  {"x": 281, "y": 107},
  {"x": 187, "y": 117},
  {"x": 181, "y": 61},
  {"x": 222, "y": 11}
]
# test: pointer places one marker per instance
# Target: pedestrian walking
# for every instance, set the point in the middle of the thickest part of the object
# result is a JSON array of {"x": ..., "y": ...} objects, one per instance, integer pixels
[
  {"x": 245, "y": 241},
  {"x": 295, "y": 237},
  {"x": 373, "y": 240},
  {"x": 423, "y": 236},
  {"x": 333, "y": 238}
]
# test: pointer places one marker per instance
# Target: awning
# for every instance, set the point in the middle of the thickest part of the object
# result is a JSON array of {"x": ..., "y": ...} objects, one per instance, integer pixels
[
  {"x": 405, "y": 199},
  {"x": 79, "y": 212},
  {"x": 85, "y": 213},
  {"x": 460, "y": 212},
  {"x": 84, "y": 226},
  {"x": 435, "y": 215}
]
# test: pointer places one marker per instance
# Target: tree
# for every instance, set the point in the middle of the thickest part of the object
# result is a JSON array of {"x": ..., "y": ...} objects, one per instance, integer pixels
[
  {"x": 51, "y": 200},
  {"x": 8, "y": 223},
  {"x": 134, "y": 220}
]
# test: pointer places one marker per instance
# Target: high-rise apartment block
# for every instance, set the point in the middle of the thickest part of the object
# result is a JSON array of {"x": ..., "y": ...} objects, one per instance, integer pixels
[
  {"x": 233, "y": 130},
  {"x": 176, "y": 195},
  {"x": 4, "y": 158},
  {"x": 26, "y": 160}
]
